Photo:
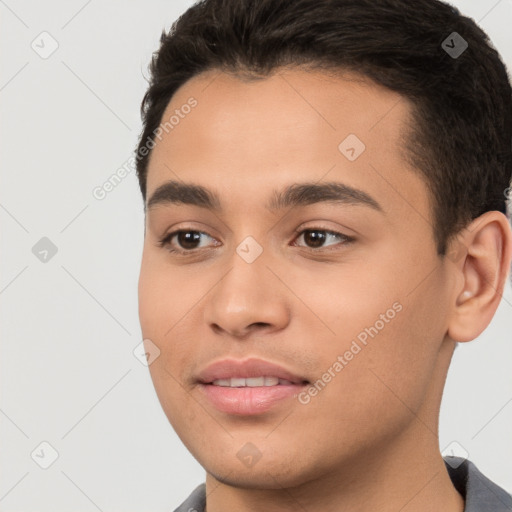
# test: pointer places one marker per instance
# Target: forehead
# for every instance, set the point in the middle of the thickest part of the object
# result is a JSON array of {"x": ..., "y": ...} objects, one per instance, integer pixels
[{"x": 244, "y": 137}]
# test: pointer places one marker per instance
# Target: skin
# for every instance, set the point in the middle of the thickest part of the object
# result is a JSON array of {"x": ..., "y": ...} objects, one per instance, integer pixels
[{"x": 369, "y": 439}]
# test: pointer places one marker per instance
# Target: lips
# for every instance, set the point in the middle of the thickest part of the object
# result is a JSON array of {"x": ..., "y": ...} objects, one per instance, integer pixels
[
  {"x": 247, "y": 369},
  {"x": 250, "y": 382},
  {"x": 248, "y": 387}
]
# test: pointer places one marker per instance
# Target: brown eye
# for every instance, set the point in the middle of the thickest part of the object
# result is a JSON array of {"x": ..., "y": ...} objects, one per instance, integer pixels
[
  {"x": 182, "y": 241},
  {"x": 316, "y": 238},
  {"x": 188, "y": 239}
]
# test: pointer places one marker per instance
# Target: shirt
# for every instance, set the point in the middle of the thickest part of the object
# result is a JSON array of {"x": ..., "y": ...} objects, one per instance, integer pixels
[{"x": 480, "y": 493}]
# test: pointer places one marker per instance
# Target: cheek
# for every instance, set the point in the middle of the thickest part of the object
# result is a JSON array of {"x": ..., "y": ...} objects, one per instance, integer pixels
[
  {"x": 148, "y": 294},
  {"x": 396, "y": 369},
  {"x": 161, "y": 306},
  {"x": 387, "y": 337},
  {"x": 344, "y": 303},
  {"x": 164, "y": 294},
  {"x": 373, "y": 391}
]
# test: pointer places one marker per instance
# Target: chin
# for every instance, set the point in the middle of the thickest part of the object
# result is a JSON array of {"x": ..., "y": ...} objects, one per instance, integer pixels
[
  {"x": 262, "y": 478},
  {"x": 275, "y": 472}
]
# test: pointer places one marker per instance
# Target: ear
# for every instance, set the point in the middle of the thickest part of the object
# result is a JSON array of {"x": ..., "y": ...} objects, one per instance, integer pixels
[{"x": 481, "y": 255}]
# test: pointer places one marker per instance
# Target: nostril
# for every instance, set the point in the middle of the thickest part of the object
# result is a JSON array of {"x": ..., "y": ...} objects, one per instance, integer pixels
[{"x": 259, "y": 324}]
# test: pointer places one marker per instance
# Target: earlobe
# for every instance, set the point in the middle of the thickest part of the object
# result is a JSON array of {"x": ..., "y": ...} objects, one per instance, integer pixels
[{"x": 482, "y": 272}]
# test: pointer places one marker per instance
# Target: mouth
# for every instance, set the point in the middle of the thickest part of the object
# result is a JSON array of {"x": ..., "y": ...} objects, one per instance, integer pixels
[
  {"x": 249, "y": 387},
  {"x": 253, "y": 382}
]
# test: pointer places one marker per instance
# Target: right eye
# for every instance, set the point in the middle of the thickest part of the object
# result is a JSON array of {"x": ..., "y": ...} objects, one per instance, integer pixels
[{"x": 186, "y": 238}]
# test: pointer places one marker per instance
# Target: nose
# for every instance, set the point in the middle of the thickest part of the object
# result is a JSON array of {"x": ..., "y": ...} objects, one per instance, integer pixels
[{"x": 248, "y": 299}]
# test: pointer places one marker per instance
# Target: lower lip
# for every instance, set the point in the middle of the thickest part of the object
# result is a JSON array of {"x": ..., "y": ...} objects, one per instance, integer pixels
[{"x": 248, "y": 400}]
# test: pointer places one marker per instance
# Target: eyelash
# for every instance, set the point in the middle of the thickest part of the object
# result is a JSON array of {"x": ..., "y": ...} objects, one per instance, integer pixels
[{"x": 165, "y": 241}]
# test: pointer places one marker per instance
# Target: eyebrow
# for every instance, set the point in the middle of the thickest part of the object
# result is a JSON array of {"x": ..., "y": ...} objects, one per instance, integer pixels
[{"x": 295, "y": 195}]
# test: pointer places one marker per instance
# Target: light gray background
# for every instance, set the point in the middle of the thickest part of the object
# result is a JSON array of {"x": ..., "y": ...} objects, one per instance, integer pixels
[{"x": 69, "y": 326}]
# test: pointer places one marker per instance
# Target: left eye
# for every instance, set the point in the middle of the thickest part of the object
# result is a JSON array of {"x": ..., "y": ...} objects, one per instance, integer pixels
[
  {"x": 188, "y": 239},
  {"x": 317, "y": 237}
]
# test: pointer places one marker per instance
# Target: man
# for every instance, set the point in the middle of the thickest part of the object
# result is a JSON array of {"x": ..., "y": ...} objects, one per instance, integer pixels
[{"x": 324, "y": 187}]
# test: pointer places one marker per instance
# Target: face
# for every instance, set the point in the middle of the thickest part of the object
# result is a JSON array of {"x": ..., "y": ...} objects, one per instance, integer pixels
[{"x": 338, "y": 286}]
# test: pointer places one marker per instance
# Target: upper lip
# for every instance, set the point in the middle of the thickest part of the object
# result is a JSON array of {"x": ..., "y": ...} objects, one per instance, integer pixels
[{"x": 253, "y": 367}]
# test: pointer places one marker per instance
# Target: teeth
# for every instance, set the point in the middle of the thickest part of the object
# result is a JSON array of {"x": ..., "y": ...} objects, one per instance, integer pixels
[
  {"x": 221, "y": 382},
  {"x": 254, "y": 381},
  {"x": 251, "y": 382},
  {"x": 271, "y": 381}
]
